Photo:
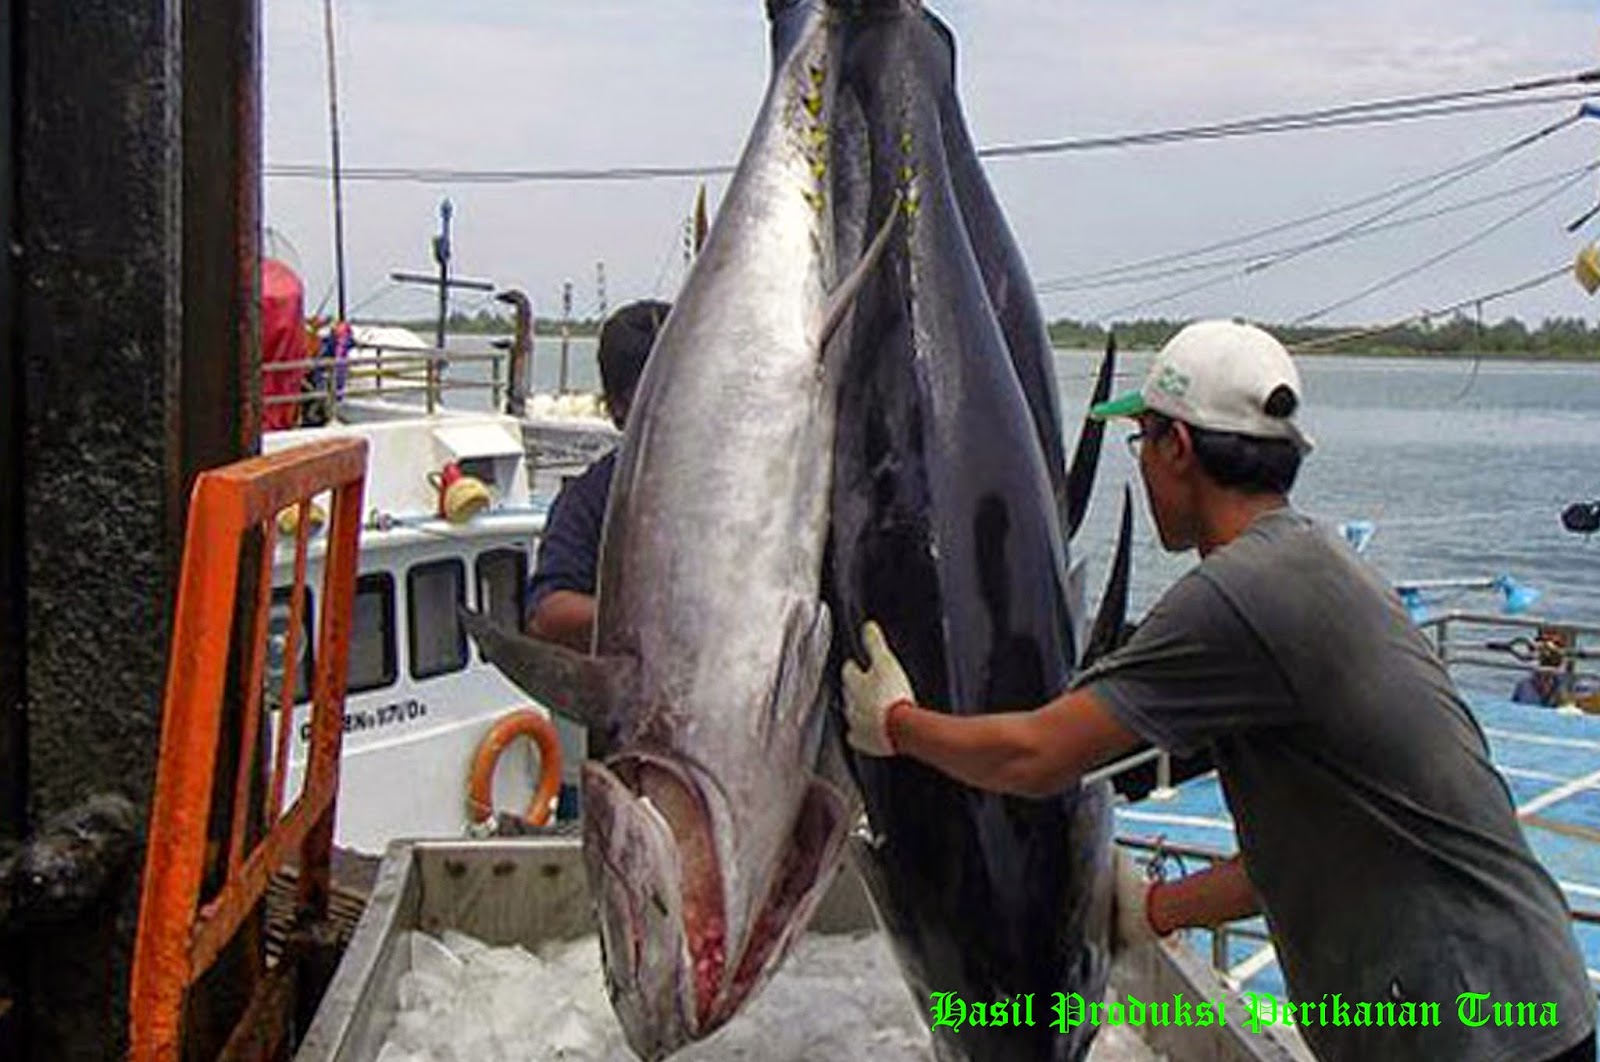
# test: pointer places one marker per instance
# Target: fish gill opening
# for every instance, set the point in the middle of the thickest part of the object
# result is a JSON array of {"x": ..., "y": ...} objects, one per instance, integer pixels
[{"x": 705, "y": 923}]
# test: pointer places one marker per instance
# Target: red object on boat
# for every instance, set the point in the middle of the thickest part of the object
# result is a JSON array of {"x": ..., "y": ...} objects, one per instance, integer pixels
[{"x": 283, "y": 332}]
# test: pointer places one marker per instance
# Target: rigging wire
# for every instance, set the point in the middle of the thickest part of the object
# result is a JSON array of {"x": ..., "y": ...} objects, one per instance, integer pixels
[
  {"x": 1374, "y": 112},
  {"x": 1414, "y": 219},
  {"x": 1435, "y": 259},
  {"x": 1429, "y": 188},
  {"x": 1320, "y": 342},
  {"x": 1428, "y": 315},
  {"x": 1307, "y": 219}
]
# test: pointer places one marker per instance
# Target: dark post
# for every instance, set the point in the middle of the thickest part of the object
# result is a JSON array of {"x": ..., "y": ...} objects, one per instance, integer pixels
[
  {"x": 566, "y": 334},
  {"x": 441, "y": 255},
  {"x": 13, "y": 724},
  {"x": 131, "y": 358},
  {"x": 521, "y": 351}
]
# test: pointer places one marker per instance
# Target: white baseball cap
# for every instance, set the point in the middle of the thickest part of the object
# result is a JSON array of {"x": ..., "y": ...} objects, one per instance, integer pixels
[{"x": 1218, "y": 375}]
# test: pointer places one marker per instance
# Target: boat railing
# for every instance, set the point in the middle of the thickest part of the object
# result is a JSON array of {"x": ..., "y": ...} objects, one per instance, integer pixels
[
  {"x": 371, "y": 371},
  {"x": 1226, "y": 934},
  {"x": 1489, "y": 642}
]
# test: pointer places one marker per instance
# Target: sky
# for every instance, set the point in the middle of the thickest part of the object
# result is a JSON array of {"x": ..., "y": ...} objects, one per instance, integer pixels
[{"x": 542, "y": 84}]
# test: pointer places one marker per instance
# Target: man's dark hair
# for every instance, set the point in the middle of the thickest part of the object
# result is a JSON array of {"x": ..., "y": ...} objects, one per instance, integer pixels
[
  {"x": 1245, "y": 463},
  {"x": 625, "y": 342}
]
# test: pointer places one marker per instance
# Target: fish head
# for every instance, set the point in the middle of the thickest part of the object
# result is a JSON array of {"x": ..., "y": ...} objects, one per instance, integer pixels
[
  {"x": 653, "y": 871},
  {"x": 678, "y": 962}
]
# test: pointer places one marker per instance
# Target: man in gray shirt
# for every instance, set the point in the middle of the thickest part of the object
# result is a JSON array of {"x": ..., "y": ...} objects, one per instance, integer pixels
[{"x": 1374, "y": 834}]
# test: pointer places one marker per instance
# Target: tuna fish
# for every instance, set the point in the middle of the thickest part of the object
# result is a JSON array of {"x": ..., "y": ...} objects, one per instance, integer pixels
[
  {"x": 950, "y": 497},
  {"x": 708, "y": 834}
]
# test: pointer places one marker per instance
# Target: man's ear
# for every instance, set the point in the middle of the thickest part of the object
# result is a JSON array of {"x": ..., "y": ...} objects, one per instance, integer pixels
[{"x": 1182, "y": 445}]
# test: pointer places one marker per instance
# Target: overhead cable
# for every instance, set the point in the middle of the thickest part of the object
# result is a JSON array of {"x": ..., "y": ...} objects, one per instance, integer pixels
[{"x": 1536, "y": 92}]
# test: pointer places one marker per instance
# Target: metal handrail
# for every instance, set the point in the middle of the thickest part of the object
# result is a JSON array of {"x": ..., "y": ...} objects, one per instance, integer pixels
[
  {"x": 1456, "y": 649},
  {"x": 380, "y": 364}
]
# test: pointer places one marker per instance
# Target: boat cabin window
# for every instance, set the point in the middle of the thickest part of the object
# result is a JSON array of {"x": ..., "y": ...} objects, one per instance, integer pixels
[
  {"x": 438, "y": 642},
  {"x": 502, "y": 582},
  {"x": 372, "y": 641},
  {"x": 278, "y": 616}
]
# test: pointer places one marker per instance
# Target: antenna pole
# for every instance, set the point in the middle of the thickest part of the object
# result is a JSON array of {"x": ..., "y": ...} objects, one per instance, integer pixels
[{"x": 333, "y": 132}]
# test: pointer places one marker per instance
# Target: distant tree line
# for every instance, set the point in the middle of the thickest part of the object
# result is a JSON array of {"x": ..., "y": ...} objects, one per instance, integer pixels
[{"x": 1556, "y": 337}]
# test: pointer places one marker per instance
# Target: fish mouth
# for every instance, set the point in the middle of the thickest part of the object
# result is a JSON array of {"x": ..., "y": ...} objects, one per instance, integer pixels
[
  {"x": 671, "y": 969},
  {"x": 648, "y": 851}
]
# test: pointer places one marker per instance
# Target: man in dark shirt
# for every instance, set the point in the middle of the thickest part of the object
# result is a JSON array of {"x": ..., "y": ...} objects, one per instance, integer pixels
[{"x": 561, "y": 592}]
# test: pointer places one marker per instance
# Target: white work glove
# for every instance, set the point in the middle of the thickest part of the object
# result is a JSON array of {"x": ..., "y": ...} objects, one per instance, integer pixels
[
  {"x": 869, "y": 694},
  {"x": 1130, "y": 905}
]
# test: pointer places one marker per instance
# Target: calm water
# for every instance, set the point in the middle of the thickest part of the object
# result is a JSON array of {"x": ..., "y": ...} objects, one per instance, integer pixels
[{"x": 1464, "y": 469}]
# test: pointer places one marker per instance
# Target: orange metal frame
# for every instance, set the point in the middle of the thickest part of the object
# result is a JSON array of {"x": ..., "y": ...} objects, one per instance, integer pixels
[{"x": 178, "y": 938}]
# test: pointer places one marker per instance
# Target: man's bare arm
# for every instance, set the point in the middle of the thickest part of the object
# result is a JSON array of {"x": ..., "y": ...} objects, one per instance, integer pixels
[
  {"x": 565, "y": 617},
  {"x": 1033, "y": 753},
  {"x": 1208, "y": 898}
]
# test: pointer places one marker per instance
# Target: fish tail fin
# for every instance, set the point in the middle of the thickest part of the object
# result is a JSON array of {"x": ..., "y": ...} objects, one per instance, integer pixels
[{"x": 1113, "y": 612}]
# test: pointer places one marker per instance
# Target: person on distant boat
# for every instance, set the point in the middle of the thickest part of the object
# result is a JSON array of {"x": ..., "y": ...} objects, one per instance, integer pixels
[
  {"x": 1548, "y": 684},
  {"x": 561, "y": 602},
  {"x": 1374, "y": 832}
]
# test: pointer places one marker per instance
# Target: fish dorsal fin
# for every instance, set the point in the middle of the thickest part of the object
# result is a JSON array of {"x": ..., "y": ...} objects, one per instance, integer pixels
[
  {"x": 844, "y": 294},
  {"x": 1113, "y": 612},
  {"x": 1086, "y": 458},
  {"x": 589, "y": 690}
]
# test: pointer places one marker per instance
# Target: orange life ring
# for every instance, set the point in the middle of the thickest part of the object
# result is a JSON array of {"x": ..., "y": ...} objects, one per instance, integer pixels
[{"x": 480, "y": 785}]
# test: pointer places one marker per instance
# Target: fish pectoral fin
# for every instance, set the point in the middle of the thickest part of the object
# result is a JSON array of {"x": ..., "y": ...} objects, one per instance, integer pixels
[
  {"x": 804, "y": 871},
  {"x": 807, "y": 633},
  {"x": 844, "y": 294},
  {"x": 589, "y": 690},
  {"x": 1112, "y": 615}
]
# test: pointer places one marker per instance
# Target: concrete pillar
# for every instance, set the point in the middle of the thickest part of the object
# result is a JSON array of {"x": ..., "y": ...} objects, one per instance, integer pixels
[{"x": 130, "y": 364}]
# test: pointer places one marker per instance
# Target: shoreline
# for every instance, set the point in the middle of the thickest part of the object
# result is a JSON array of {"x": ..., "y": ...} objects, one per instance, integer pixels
[{"x": 1523, "y": 357}]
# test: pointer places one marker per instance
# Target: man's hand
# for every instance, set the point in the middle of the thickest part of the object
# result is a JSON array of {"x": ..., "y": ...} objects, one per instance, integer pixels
[
  {"x": 1131, "y": 908},
  {"x": 870, "y": 695}
]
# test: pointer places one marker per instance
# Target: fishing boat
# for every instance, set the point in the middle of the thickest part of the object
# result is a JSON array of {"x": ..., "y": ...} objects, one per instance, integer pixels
[{"x": 433, "y": 735}]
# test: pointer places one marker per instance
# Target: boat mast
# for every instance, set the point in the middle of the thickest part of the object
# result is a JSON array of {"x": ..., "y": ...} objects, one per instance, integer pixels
[{"x": 333, "y": 132}]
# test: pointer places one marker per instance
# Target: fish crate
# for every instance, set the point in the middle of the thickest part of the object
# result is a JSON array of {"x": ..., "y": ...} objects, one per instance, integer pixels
[
  {"x": 526, "y": 890},
  {"x": 533, "y": 890}
]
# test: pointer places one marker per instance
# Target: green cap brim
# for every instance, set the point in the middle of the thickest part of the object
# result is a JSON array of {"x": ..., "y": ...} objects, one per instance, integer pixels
[{"x": 1128, "y": 405}]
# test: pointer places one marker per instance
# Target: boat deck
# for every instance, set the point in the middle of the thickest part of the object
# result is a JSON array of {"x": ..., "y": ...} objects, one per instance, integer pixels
[{"x": 1549, "y": 759}]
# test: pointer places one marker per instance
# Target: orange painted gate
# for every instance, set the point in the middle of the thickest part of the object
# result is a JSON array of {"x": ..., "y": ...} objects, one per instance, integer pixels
[{"x": 180, "y": 937}]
